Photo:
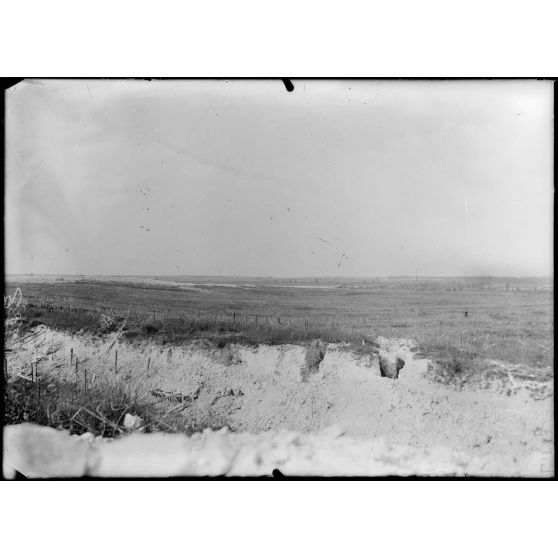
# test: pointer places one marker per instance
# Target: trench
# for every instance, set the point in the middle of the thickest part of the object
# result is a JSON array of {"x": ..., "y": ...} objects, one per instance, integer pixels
[{"x": 247, "y": 389}]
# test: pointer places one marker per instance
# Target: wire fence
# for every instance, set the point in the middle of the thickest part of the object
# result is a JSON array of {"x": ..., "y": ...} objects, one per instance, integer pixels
[{"x": 154, "y": 319}]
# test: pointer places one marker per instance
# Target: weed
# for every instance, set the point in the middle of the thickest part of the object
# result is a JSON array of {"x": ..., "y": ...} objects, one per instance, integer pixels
[
  {"x": 150, "y": 328},
  {"x": 99, "y": 410}
]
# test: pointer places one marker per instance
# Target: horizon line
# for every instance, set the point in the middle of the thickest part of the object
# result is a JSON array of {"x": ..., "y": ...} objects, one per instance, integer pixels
[{"x": 281, "y": 276}]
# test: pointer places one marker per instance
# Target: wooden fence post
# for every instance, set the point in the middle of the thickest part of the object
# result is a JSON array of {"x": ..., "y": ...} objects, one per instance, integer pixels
[
  {"x": 6, "y": 368},
  {"x": 148, "y": 362},
  {"x": 116, "y": 361},
  {"x": 85, "y": 379},
  {"x": 234, "y": 317},
  {"x": 245, "y": 320},
  {"x": 77, "y": 372},
  {"x": 71, "y": 356}
]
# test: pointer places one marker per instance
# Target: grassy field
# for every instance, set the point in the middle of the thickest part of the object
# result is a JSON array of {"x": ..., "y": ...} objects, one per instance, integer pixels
[{"x": 507, "y": 319}]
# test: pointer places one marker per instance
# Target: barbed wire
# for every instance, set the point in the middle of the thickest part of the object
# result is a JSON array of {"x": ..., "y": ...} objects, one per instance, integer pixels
[{"x": 11, "y": 307}]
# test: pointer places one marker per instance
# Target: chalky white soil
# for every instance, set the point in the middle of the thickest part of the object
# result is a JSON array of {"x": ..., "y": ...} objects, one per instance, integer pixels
[{"x": 340, "y": 419}]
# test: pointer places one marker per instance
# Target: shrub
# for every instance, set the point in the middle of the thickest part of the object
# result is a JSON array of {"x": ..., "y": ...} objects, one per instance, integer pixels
[
  {"x": 150, "y": 327},
  {"x": 99, "y": 409}
]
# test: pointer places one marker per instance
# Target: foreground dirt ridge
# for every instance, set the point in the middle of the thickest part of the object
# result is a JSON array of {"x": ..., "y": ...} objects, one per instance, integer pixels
[
  {"x": 41, "y": 452},
  {"x": 289, "y": 390}
]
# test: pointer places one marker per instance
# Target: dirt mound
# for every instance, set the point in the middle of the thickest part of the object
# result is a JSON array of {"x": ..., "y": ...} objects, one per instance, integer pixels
[{"x": 38, "y": 452}]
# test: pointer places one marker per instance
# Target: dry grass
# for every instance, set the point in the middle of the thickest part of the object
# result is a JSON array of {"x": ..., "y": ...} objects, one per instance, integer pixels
[
  {"x": 218, "y": 330},
  {"x": 98, "y": 409}
]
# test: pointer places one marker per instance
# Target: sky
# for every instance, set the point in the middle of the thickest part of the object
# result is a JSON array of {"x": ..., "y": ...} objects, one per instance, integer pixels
[{"x": 242, "y": 177}]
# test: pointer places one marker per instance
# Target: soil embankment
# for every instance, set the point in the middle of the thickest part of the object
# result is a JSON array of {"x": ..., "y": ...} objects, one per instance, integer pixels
[{"x": 266, "y": 393}]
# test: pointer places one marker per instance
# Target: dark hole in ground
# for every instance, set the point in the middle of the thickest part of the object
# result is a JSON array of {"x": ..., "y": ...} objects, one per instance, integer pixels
[
  {"x": 315, "y": 353},
  {"x": 391, "y": 369}
]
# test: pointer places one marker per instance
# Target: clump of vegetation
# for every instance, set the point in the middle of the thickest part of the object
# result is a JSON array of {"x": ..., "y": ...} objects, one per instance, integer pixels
[
  {"x": 63, "y": 404},
  {"x": 150, "y": 327},
  {"x": 111, "y": 324},
  {"x": 59, "y": 317},
  {"x": 99, "y": 409},
  {"x": 455, "y": 371}
]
